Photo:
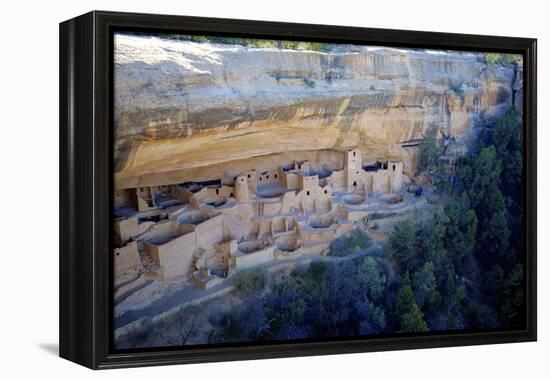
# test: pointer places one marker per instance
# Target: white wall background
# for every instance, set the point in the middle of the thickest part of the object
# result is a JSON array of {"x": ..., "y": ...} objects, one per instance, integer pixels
[{"x": 29, "y": 187}]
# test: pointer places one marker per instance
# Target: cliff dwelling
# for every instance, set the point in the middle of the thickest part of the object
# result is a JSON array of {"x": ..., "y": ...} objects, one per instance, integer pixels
[
  {"x": 241, "y": 168},
  {"x": 206, "y": 230}
]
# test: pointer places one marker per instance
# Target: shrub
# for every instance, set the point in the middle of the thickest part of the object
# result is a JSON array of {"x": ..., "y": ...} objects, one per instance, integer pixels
[
  {"x": 503, "y": 59},
  {"x": 250, "y": 42},
  {"x": 309, "y": 83},
  {"x": 457, "y": 89},
  {"x": 429, "y": 152},
  {"x": 345, "y": 245},
  {"x": 381, "y": 215},
  {"x": 250, "y": 282}
]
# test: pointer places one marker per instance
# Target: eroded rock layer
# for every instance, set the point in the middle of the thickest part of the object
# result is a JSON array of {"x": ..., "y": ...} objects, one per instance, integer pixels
[{"x": 184, "y": 110}]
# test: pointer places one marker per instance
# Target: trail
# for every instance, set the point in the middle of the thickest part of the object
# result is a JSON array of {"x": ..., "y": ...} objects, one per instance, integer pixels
[{"x": 189, "y": 295}]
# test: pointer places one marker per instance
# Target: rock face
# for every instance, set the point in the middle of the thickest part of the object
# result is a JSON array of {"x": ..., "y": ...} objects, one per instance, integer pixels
[{"x": 188, "y": 111}]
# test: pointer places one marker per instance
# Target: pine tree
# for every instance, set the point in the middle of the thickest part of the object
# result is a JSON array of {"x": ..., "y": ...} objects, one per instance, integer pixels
[
  {"x": 429, "y": 151},
  {"x": 409, "y": 315},
  {"x": 431, "y": 233},
  {"x": 402, "y": 244},
  {"x": 371, "y": 279},
  {"x": 460, "y": 235},
  {"x": 424, "y": 284},
  {"x": 513, "y": 296}
]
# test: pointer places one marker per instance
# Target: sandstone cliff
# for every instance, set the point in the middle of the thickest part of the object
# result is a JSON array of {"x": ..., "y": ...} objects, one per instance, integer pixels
[{"x": 187, "y": 111}]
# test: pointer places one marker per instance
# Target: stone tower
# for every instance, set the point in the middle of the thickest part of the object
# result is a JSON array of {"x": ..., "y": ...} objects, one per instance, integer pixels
[
  {"x": 395, "y": 173},
  {"x": 353, "y": 170},
  {"x": 353, "y": 160},
  {"x": 241, "y": 188}
]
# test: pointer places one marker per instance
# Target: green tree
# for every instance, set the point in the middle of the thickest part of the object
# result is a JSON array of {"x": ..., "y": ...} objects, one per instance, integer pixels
[
  {"x": 493, "y": 239},
  {"x": 250, "y": 282},
  {"x": 494, "y": 280},
  {"x": 440, "y": 178},
  {"x": 460, "y": 234},
  {"x": 483, "y": 178},
  {"x": 424, "y": 284},
  {"x": 409, "y": 315},
  {"x": 294, "y": 311},
  {"x": 371, "y": 318},
  {"x": 356, "y": 240},
  {"x": 430, "y": 236},
  {"x": 504, "y": 59},
  {"x": 371, "y": 279},
  {"x": 429, "y": 152},
  {"x": 513, "y": 296},
  {"x": 402, "y": 244},
  {"x": 316, "y": 272},
  {"x": 507, "y": 137},
  {"x": 480, "y": 177}
]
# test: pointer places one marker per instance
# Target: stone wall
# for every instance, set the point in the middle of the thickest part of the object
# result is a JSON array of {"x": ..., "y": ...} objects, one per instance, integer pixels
[
  {"x": 127, "y": 261},
  {"x": 125, "y": 229},
  {"x": 175, "y": 256},
  {"x": 210, "y": 232},
  {"x": 249, "y": 260}
]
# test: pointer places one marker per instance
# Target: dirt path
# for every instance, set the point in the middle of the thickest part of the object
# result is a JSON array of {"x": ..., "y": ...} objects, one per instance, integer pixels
[{"x": 190, "y": 295}]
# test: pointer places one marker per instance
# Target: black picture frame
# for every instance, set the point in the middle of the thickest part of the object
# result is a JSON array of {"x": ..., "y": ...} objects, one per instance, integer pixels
[{"x": 86, "y": 185}]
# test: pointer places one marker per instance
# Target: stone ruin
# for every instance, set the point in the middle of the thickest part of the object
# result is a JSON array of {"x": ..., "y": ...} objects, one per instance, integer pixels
[{"x": 206, "y": 230}]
